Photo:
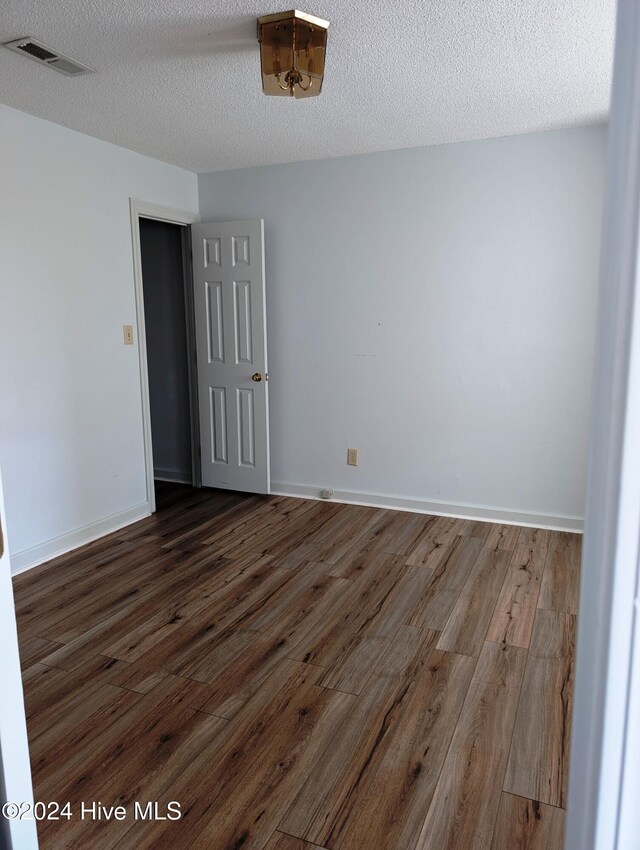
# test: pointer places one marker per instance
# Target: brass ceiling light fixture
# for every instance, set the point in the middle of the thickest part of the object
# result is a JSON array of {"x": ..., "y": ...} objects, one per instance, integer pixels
[{"x": 292, "y": 48}]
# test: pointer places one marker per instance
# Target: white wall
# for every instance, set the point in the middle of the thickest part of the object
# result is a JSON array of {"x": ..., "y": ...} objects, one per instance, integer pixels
[
  {"x": 70, "y": 418},
  {"x": 435, "y": 308},
  {"x": 432, "y": 307}
]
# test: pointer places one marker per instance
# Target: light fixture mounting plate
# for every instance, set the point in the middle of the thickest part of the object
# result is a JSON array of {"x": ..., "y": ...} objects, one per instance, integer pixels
[{"x": 293, "y": 14}]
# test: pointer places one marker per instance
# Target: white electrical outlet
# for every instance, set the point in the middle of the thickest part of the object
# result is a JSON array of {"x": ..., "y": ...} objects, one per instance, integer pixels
[
  {"x": 352, "y": 457},
  {"x": 127, "y": 332}
]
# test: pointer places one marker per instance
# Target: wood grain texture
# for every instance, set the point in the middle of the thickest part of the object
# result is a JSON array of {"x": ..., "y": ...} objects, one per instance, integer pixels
[
  {"x": 433, "y": 606},
  {"x": 34, "y": 649},
  {"x": 561, "y": 580},
  {"x": 281, "y": 841},
  {"x": 502, "y": 537},
  {"x": 470, "y": 617},
  {"x": 539, "y": 760},
  {"x": 365, "y": 609},
  {"x": 353, "y": 662},
  {"x": 431, "y": 548},
  {"x": 512, "y": 621},
  {"x": 527, "y": 825},
  {"x": 465, "y": 803},
  {"x": 302, "y": 675},
  {"x": 406, "y": 776},
  {"x": 262, "y": 761}
]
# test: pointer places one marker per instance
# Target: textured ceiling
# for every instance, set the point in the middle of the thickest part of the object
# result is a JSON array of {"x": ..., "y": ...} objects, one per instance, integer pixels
[{"x": 180, "y": 80}]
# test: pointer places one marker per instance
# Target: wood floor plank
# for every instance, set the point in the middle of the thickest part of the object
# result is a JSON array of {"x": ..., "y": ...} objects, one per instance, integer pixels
[
  {"x": 136, "y": 677},
  {"x": 34, "y": 649},
  {"x": 54, "y": 694},
  {"x": 413, "y": 756},
  {"x": 475, "y": 528},
  {"x": 431, "y": 548},
  {"x": 300, "y": 554},
  {"x": 189, "y": 651},
  {"x": 465, "y": 803},
  {"x": 57, "y": 571},
  {"x": 93, "y": 594},
  {"x": 209, "y": 663},
  {"x": 205, "y": 527},
  {"x": 149, "y": 767},
  {"x": 284, "y": 590},
  {"x": 238, "y": 586},
  {"x": 306, "y": 588},
  {"x": 281, "y": 841},
  {"x": 394, "y": 533},
  {"x": 365, "y": 609},
  {"x": 503, "y": 537},
  {"x": 163, "y": 575},
  {"x": 530, "y": 541},
  {"x": 129, "y": 765},
  {"x": 528, "y": 825},
  {"x": 347, "y": 528},
  {"x": 316, "y": 604},
  {"x": 515, "y": 611},
  {"x": 260, "y": 765},
  {"x": 62, "y": 715},
  {"x": 357, "y": 559},
  {"x": 68, "y": 572},
  {"x": 322, "y": 806},
  {"x": 103, "y": 749},
  {"x": 62, "y": 743},
  {"x": 353, "y": 662},
  {"x": 471, "y": 615},
  {"x": 454, "y": 525},
  {"x": 304, "y": 520},
  {"x": 394, "y": 610},
  {"x": 407, "y": 530},
  {"x": 277, "y": 667},
  {"x": 235, "y": 684},
  {"x": 433, "y": 606},
  {"x": 240, "y": 526},
  {"x": 560, "y": 583},
  {"x": 539, "y": 758}
]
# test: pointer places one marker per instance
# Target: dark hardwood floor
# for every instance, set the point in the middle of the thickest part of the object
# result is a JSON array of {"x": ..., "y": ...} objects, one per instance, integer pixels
[{"x": 301, "y": 674}]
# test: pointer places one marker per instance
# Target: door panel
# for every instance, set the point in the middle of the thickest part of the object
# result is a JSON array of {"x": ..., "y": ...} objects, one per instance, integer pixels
[
  {"x": 215, "y": 332},
  {"x": 229, "y": 301}
]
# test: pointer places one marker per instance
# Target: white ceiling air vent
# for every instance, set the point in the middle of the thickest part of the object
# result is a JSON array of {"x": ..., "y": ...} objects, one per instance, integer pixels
[{"x": 46, "y": 56}]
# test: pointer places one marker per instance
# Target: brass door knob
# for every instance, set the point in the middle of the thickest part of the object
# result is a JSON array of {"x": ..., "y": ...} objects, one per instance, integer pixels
[{"x": 257, "y": 377}]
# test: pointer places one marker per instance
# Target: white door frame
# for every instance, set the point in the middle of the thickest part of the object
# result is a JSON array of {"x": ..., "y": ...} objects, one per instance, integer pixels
[
  {"x": 138, "y": 210},
  {"x": 604, "y": 775},
  {"x": 15, "y": 766}
]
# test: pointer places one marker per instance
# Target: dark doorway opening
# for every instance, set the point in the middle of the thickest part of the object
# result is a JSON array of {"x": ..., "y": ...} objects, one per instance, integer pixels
[{"x": 164, "y": 253}]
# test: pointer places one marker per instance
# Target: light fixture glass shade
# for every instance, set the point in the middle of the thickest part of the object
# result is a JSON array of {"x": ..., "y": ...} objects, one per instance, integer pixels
[{"x": 292, "y": 49}]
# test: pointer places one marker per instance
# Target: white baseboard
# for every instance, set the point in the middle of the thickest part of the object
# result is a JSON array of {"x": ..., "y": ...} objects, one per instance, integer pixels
[
  {"x": 172, "y": 476},
  {"x": 36, "y": 555},
  {"x": 420, "y": 506}
]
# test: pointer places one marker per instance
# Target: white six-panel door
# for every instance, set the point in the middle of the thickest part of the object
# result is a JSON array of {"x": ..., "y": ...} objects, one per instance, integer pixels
[{"x": 231, "y": 343}]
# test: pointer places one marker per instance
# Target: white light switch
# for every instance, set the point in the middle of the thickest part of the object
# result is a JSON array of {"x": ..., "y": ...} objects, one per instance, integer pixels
[{"x": 128, "y": 334}]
